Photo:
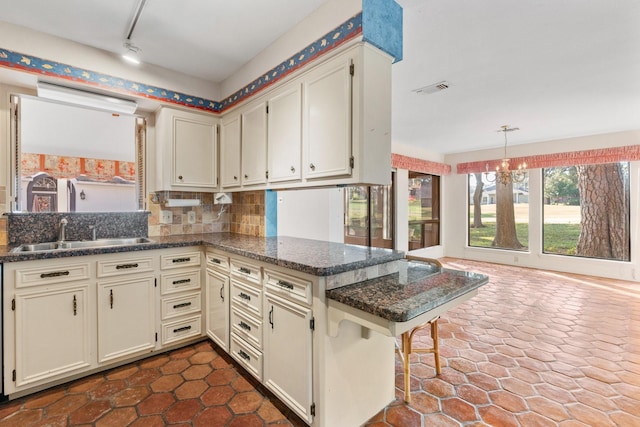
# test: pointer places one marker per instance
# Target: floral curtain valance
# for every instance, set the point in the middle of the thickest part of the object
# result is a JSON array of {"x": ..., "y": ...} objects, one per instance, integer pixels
[{"x": 583, "y": 157}]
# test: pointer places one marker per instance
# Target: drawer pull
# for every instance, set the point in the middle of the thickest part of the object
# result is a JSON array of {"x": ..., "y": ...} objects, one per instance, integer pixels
[
  {"x": 215, "y": 261},
  {"x": 54, "y": 274},
  {"x": 181, "y": 282},
  {"x": 244, "y": 296},
  {"x": 111, "y": 298},
  {"x": 75, "y": 306},
  {"x": 285, "y": 284},
  {"x": 244, "y": 326},
  {"x": 244, "y": 270},
  {"x": 124, "y": 266},
  {"x": 244, "y": 355},
  {"x": 184, "y": 328},
  {"x": 177, "y": 260},
  {"x": 182, "y": 305}
]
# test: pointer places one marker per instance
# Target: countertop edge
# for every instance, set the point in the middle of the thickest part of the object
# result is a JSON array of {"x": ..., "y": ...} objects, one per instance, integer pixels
[{"x": 200, "y": 240}]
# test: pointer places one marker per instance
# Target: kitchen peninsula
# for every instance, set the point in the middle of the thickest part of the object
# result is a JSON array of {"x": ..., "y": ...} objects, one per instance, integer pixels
[{"x": 269, "y": 302}]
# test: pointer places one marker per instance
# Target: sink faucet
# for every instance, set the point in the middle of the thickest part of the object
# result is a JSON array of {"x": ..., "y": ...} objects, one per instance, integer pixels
[
  {"x": 62, "y": 230},
  {"x": 93, "y": 232}
]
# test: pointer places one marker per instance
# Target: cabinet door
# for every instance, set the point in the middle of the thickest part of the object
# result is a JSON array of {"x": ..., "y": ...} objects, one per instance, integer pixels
[
  {"x": 254, "y": 145},
  {"x": 327, "y": 120},
  {"x": 125, "y": 318},
  {"x": 230, "y": 153},
  {"x": 217, "y": 291},
  {"x": 284, "y": 124},
  {"x": 194, "y": 153},
  {"x": 52, "y": 334},
  {"x": 288, "y": 351}
]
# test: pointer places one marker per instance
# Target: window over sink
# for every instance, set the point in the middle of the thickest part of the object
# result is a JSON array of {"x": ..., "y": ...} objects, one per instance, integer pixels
[{"x": 73, "y": 159}]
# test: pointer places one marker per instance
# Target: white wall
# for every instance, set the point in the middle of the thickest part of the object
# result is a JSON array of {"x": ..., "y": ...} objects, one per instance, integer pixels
[
  {"x": 321, "y": 21},
  {"x": 30, "y": 42},
  {"x": 455, "y": 211},
  {"x": 312, "y": 214}
]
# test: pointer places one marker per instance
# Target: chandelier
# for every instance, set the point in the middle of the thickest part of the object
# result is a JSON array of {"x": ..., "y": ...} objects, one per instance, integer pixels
[{"x": 504, "y": 175}]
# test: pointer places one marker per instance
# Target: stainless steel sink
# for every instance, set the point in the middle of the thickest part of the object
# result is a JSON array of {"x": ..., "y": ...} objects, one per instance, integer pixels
[{"x": 80, "y": 244}]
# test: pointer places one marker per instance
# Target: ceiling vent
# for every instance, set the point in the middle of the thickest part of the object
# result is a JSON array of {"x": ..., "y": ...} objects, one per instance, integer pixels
[{"x": 433, "y": 88}]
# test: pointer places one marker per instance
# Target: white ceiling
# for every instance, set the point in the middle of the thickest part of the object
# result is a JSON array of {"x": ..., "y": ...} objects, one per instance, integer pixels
[{"x": 554, "y": 69}]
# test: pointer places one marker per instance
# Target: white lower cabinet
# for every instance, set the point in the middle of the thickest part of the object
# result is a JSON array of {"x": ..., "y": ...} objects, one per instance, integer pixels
[
  {"x": 245, "y": 311},
  {"x": 67, "y": 317},
  {"x": 288, "y": 351},
  {"x": 180, "y": 295},
  {"x": 126, "y": 318},
  {"x": 52, "y": 337},
  {"x": 217, "y": 294}
]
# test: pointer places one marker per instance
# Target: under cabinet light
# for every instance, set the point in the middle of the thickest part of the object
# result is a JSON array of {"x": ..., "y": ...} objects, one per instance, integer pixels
[{"x": 87, "y": 99}]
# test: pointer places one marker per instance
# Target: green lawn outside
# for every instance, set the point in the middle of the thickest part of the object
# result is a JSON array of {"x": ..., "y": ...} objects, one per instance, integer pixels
[{"x": 561, "y": 228}]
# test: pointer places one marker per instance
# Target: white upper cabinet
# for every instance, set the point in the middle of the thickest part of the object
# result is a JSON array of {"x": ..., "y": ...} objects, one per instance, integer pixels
[
  {"x": 284, "y": 135},
  {"x": 230, "y": 152},
  {"x": 327, "y": 120},
  {"x": 254, "y": 144},
  {"x": 187, "y": 151},
  {"x": 330, "y": 124}
]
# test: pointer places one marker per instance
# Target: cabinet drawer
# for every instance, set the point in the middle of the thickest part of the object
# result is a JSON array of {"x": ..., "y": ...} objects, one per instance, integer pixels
[
  {"x": 290, "y": 287},
  {"x": 178, "y": 306},
  {"x": 249, "y": 272},
  {"x": 247, "y": 327},
  {"x": 247, "y": 356},
  {"x": 125, "y": 266},
  {"x": 186, "y": 259},
  {"x": 247, "y": 298},
  {"x": 181, "y": 330},
  {"x": 179, "y": 281},
  {"x": 49, "y": 275},
  {"x": 217, "y": 261}
]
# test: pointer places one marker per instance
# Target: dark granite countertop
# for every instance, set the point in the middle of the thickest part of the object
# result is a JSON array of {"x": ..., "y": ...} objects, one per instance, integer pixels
[
  {"x": 319, "y": 258},
  {"x": 416, "y": 289}
]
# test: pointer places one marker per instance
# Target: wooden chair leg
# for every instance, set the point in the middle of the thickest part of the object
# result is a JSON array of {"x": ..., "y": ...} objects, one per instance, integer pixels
[{"x": 436, "y": 349}]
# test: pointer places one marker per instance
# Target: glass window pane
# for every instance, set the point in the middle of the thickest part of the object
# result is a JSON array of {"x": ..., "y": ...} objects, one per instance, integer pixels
[
  {"x": 498, "y": 213},
  {"x": 424, "y": 210},
  {"x": 586, "y": 211}
]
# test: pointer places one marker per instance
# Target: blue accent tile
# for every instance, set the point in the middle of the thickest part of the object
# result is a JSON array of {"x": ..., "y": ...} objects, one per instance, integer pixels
[
  {"x": 382, "y": 26},
  {"x": 271, "y": 213}
]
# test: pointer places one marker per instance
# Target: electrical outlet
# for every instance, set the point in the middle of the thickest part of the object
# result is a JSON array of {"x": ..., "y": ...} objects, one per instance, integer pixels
[
  {"x": 191, "y": 217},
  {"x": 166, "y": 217}
]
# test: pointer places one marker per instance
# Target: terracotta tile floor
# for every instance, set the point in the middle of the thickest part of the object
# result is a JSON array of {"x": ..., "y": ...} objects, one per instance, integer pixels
[
  {"x": 192, "y": 386},
  {"x": 534, "y": 348}
]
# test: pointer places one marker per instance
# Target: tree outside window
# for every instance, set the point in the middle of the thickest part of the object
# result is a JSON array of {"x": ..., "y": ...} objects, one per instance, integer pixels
[
  {"x": 586, "y": 211},
  {"x": 498, "y": 213}
]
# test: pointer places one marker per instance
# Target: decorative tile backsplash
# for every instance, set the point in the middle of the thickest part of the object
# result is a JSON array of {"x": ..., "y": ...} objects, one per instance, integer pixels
[
  {"x": 208, "y": 218},
  {"x": 248, "y": 213}
]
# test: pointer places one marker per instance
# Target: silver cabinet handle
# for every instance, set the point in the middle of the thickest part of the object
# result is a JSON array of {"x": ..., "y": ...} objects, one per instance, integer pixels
[
  {"x": 54, "y": 274},
  {"x": 182, "y": 305},
  {"x": 312, "y": 167},
  {"x": 285, "y": 284},
  {"x": 293, "y": 170}
]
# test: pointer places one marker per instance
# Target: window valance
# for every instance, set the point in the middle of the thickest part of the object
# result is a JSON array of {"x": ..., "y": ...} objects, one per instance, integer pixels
[{"x": 572, "y": 158}]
